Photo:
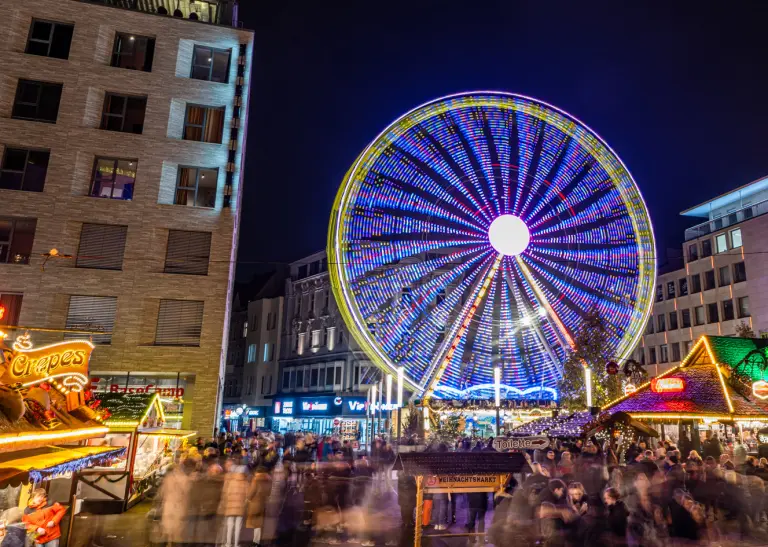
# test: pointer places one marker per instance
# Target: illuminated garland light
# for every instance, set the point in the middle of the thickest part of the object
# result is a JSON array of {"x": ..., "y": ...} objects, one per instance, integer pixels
[
  {"x": 409, "y": 244},
  {"x": 26, "y": 437},
  {"x": 39, "y": 475}
]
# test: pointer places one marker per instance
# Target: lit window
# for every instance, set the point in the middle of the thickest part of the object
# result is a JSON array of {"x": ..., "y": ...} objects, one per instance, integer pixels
[
  {"x": 721, "y": 242},
  {"x": 204, "y": 123},
  {"x": 16, "y": 237},
  {"x": 663, "y": 353},
  {"x": 133, "y": 52},
  {"x": 113, "y": 178},
  {"x": 196, "y": 187},
  {"x": 301, "y": 343},
  {"x": 316, "y": 334},
  {"x": 331, "y": 336},
  {"x": 245, "y": 329},
  {"x": 251, "y": 353},
  {"x": 210, "y": 64},
  {"x": 736, "y": 238},
  {"x": 11, "y": 303},
  {"x": 698, "y": 315}
]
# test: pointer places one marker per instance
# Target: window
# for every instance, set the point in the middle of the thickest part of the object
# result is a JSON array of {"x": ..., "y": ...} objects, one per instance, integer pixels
[
  {"x": 11, "y": 303},
  {"x": 262, "y": 384},
  {"x": 739, "y": 272},
  {"x": 297, "y": 306},
  {"x": 327, "y": 304},
  {"x": 337, "y": 379},
  {"x": 736, "y": 238},
  {"x": 661, "y": 323},
  {"x": 651, "y": 356},
  {"x": 203, "y": 123},
  {"x": 721, "y": 243},
  {"x": 267, "y": 355},
  {"x": 659, "y": 293},
  {"x": 196, "y": 187},
  {"x": 706, "y": 248},
  {"x": 314, "y": 377},
  {"x": 101, "y": 246},
  {"x": 252, "y": 353},
  {"x": 92, "y": 313},
  {"x": 188, "y": 252},
  {"x": 301, "y": 343},
  {"x": 693, "y": 252},
  {"x": 133, "y": 52},
  {"x": 743, "y": 303},
  {"x": 300, "y": 379},
  {"x": 698, "y": 315},
  {"x": 286, "y": 380},
  {"x": 179, "y": 323},
  {"x": 210, "y": 64},
  {"x": 685, "y": 318},
  {"x": 316, "y": 338},
  {"x": 37, "y": 101},
  {"x": 709, "y": 280},
  {"x": 113, "y": 178},
  {"x": 331, "y": 337},
  {"x": 24, "y": 169},
  {"x": 687, "y": 347},
  {"x": 329, "y": 376},
  {"x": 649, "y": 327},
  {"x": 312, "y": 296},
  {"x": 712, "y": 313},
  {"x": 728, "y": 311},
  {"x": 724, "y": 275},
  {"x": 245, "y": 329},
  {"x": 670, "y": 289},
  {"x": 682, "y": 285},
  {"x": 49, "y": 39},
  {"x": 663, "y": 353},
  {"x": 123, "y": 113},
  {"x": 673, "y": 320},
  {"x": 16, "y": 238},
  {"x": 675, "y": 352},
  {"x": 695, "y": 283}
]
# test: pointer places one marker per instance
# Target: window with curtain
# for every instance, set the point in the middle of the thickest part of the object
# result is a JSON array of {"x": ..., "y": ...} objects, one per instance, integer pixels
[
  {"x": 11, "y": 305},
  {"x": 188, "y": 252},
  {"x": 179, "y": 323},
  {"x": 102, "y": 246},
  {"x": 196, "y": 187},
  {"x": 92, "y": 313},
  {"x": 204, "y": 123}
]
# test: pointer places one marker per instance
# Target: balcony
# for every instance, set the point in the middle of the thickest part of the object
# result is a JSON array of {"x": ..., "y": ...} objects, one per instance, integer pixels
[
  {"x": 216, "y": 12},
  {"x": 730, "y": 219}
]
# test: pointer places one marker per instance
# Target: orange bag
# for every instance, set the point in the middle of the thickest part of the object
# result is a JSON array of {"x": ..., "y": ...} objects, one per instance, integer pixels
[{"x": 427, "y": 513}]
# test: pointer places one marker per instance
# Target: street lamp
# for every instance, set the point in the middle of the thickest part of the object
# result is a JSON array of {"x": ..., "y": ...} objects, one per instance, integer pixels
[
  {"x": 400, "y": 377},
  {"x": 389, "y": 404},
  {"x": 497, "y": 393},
  {"x": 588, "y": 382}
]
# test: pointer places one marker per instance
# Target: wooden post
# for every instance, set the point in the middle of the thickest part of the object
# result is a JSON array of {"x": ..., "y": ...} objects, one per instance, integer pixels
[{"x": 419, "y": 510}]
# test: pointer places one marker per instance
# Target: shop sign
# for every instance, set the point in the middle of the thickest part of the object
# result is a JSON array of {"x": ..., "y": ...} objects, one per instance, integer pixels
[
  {"x": 283, "y": 408},
  {"x": 461, "y": 481},
  {"x": 147, "y": 388},
  {"x": 667, "y": 385},
  {"x": 254, "y": 412},
  {"x": 760, "y": 389},
  {"x": 520, "y": 443},
  {"x": 629, "y": 389},
  {"x": 314, "y": 406},
  {"x": 65, "y": 361}
]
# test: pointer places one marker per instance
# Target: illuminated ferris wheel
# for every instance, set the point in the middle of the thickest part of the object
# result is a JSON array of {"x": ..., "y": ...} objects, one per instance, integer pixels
[{"x": 476, "y": 231}]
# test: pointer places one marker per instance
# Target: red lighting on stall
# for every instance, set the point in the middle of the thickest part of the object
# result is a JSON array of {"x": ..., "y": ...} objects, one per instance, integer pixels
[
  {"x": 2, "y": 312},
  {"x": 667, "y": 385}
]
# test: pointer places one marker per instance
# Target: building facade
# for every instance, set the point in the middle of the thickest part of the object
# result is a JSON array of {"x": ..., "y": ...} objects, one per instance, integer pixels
[
  {"x": 121, "y": 135},
  {"x": 724, "y": 283},
  {"x": 324, "y": 376}
]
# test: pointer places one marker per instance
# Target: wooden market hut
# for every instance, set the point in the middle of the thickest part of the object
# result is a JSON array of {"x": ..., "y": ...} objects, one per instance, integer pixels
[{"x": 721, "y": 380}]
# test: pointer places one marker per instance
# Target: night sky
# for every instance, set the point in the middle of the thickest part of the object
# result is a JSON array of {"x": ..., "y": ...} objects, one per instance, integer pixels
[{"x": 679, "y": 92}]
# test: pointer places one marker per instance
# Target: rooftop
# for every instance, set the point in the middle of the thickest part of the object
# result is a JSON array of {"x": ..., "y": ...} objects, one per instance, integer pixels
[
  {"x": 216, "y": 12},
  {"x": 734, "y": 196}
]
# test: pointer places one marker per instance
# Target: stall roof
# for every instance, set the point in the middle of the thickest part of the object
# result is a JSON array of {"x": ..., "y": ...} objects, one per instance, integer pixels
[
  {"x": 712, "y": 389},
  {"x": 170, "y": 432},
  {"x": 47, "y": 462},
  {"x": 459, "y": 463},
  {"x": 563, "y": 425},
  {"x": 129, "y": 409}
]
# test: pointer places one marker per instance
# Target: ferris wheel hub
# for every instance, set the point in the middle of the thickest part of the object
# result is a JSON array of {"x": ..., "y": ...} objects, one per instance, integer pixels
[{"x": 509, "y": 235}]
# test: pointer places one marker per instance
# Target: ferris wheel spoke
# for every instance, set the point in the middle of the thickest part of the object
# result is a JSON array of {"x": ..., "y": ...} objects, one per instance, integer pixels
[
  {"x": 582, "y": 263},
  {"x": 549, "y": 164},
  {"x": 561, "y": 231},
  {"x": 451, "y": 209},
  {"x": 547, "y": 207},
  {"x": 498, "y": 178},
  {"x": 426, "y": 219},
  {"x": 576, "y": 209},
  {"x": 531, "y": 144}
]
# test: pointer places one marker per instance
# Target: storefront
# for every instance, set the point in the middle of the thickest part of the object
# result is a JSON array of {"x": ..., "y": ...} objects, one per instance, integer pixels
[
  {"x": 137, "y": 424},
  {"x": 176, "y": 391},
  {"x": 241, "y": 418},
  {"x": 322, "y": 415}
]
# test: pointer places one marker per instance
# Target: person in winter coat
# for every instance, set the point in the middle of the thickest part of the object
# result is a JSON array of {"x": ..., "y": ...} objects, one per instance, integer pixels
[
  {"x": 42, "y": 518},
  {"x": 13, "y": 533},
  {"x": 175, "y": 511},
  {"x": 256, "y": 502},
  {"x": 232, "y": 503},
  {"x": 616, "y": 518}
]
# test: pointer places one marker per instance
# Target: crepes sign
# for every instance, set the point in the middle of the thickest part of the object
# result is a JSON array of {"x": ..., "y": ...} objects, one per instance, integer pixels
[{"x": 65, "y": 362}]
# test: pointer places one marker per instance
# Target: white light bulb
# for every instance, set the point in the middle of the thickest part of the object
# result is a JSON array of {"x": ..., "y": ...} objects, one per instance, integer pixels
[
  {"x": 509, "y": 235},
  {"x": 526, "y": 321},
  {"x": 542, "y": 312}
]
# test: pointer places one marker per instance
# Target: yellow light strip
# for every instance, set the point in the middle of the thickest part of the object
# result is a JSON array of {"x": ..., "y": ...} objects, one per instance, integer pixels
[
  {"x": 26, "y": 437},
  {"x": 21, "y": 349},
  {"x": 110, "y": 423},
  {"x": 464, "y": 326},
  {"x": 725, "y": 390}
]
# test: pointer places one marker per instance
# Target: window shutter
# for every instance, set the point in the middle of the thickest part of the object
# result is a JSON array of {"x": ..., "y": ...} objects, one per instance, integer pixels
[
  {"x": 95, "y": 313},
  {"x": 188, "y": 252},
  {"x": 179, "y": 323},
  {"x": 102, "y": 246}
]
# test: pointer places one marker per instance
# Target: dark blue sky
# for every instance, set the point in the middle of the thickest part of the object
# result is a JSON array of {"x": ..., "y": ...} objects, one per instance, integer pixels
[{"x": 679, "y": 92}]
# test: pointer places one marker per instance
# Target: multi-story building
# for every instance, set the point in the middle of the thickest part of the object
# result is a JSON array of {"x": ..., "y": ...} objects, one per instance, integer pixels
[
  {"x": 324, "y": 376},
  {"x": 724, "y": 283},
  {"x": 121, "y": 136}
]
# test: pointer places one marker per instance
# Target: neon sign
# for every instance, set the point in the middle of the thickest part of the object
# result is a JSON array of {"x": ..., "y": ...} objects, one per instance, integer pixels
[
  {"x": 629, "y": 389},
  {"x": 67, "y": 361},
  {"x": 760, "y": 389},
  {"x": 314, "y": 406},
  {"x": 667, "y": 385}
]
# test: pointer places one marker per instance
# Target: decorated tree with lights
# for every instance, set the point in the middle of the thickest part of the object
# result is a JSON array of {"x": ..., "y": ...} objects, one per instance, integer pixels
[{"x": 592, "y": 349}]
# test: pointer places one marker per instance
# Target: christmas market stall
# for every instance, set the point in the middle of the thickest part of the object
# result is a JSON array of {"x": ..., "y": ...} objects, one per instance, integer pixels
[
  {"x": 720, "y": 387},
  {"x": 455, "y": 473},
  {"x": 46, "y": 414},
  {"x": 478, "y": 417},
  {"x": 136, "y": 423}
]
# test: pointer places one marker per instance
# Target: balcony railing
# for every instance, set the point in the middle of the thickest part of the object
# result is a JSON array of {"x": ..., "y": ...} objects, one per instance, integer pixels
[
  {"x": 730, "y": 219},
  {"x": 218, "y": 12}
]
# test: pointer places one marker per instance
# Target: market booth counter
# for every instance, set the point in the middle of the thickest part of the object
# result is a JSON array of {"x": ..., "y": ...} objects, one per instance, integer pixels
[
  {"x": 135, "y": 424},
  {"x": 456, "y": 473},
  {"x": 718, "y": 387}
]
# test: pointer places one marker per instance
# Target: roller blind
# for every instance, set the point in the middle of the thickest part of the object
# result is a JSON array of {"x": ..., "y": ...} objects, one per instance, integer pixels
[
  {"x": 102, "y": 246},
  {"x": 179, "y": 323},
  {"x": 92, "y": 313},
  {"x": 188, "y": 252}
]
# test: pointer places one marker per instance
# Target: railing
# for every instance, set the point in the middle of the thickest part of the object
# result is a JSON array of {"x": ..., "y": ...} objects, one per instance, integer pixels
[
  {"x": 219, "y": 12},
  {"x": 730, "y": 219}
]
